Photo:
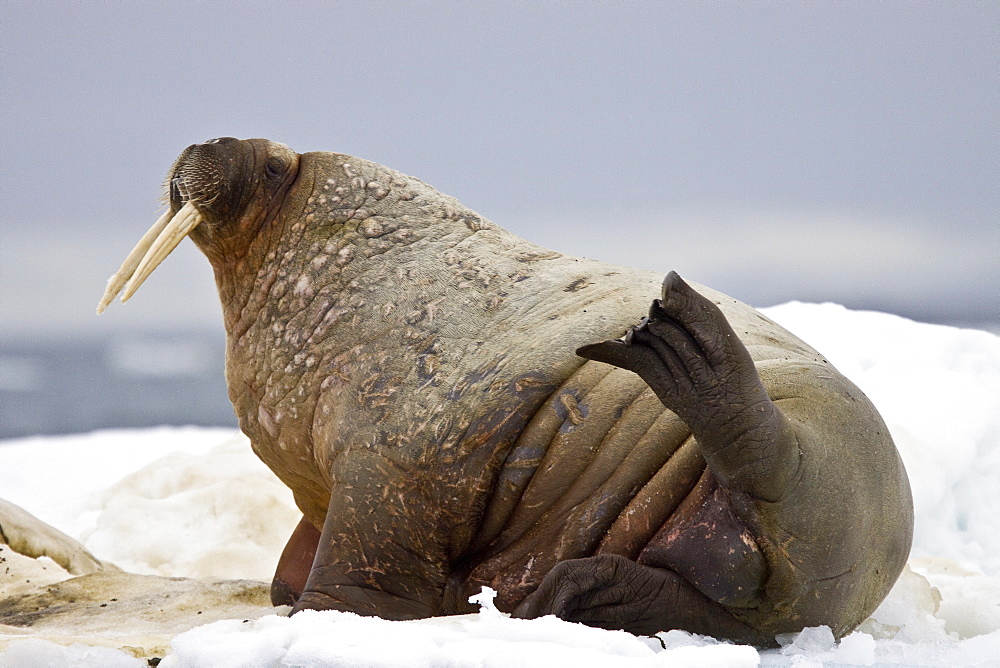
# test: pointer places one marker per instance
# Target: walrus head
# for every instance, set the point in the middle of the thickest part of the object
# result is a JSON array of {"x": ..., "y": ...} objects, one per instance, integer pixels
[{"x": 219, "y": 193}]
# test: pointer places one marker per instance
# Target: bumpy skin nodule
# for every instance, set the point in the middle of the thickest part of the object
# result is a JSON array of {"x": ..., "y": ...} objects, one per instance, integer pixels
[{"x": 410, "y": 371}]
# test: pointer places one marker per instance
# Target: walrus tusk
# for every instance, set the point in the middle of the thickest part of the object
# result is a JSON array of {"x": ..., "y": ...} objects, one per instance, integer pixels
[
  {"x": 155, "y": 245},
  {"x": 176, "y": 229},
  {"x": 120, "y": 277}
]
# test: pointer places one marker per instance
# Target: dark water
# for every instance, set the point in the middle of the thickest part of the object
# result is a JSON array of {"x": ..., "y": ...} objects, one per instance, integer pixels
[
  {"x": 72, "y": 386},
  {"x": 58, "y": 387}
]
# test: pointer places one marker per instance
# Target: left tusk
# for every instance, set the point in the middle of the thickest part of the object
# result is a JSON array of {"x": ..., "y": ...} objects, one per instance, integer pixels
[
  {"x": 120, "y": 277},
  {"x": 155, "y": 245}
]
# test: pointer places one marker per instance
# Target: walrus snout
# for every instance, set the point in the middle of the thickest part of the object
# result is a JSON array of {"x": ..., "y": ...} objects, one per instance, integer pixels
[
  {"x": 195, "y": 184},
  {"x": 199, "y": 173},
  {"x": 215, "y": 182},
  {"x": 196, "y": 177}
]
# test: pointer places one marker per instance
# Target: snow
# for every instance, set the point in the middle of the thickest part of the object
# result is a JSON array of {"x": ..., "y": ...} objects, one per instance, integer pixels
[{"x": 197, "y": 503}]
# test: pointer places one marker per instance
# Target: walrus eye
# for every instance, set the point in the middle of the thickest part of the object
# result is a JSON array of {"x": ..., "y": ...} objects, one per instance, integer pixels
[{"x": 273, "y": 168}]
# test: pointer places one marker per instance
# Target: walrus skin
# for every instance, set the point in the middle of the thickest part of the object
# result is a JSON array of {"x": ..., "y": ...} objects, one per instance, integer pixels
[{"x": 411, "y": 371}]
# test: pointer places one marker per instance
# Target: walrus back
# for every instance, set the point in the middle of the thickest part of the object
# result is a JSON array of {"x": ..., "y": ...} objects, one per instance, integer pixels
[{"x": 602, "y": 466}]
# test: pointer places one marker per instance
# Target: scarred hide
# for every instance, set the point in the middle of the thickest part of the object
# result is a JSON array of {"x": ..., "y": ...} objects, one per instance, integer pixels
[{"x": 410, "y": 371}]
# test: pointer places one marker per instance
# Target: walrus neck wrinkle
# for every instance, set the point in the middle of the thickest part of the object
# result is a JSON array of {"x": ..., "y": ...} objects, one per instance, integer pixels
[
  {"x": 335, "y": 303},
  {"x": 238, "y": 279},
  {"x": 245, "y": 277}
]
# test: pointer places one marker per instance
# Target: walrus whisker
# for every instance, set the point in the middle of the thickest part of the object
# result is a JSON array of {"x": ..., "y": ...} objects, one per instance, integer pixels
[
  {"x": 175, "y": 230},
  {"x": 124, "y": 273}
]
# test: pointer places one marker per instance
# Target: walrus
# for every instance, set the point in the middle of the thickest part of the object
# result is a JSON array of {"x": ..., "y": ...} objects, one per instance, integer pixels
[{"x": 454, "y": 407}]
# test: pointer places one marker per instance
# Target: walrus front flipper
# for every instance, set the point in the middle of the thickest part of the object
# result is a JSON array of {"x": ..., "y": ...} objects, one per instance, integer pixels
[
  {"x": 613, "y": 592},
  {"x": 294, "y": 564},
  {"x": 690, "y": 356},
  {"x": 376, "y": 555}
]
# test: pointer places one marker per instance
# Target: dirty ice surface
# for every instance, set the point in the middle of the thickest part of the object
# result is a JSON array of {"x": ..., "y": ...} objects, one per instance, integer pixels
[{"x": 197, "y": 503}]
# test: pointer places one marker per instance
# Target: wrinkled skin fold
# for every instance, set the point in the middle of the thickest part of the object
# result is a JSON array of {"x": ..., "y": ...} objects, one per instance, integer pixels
[{"x": 455, "y": 407}]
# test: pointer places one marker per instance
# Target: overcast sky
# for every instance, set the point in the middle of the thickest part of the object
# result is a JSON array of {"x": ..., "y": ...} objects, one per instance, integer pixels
[{"x": 820, "y": 151}]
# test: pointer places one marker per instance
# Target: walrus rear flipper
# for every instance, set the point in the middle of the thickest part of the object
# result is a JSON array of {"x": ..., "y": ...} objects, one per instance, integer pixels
[
  {"x": 690, "y": 356},
  {"x": 613, "y": 592}
]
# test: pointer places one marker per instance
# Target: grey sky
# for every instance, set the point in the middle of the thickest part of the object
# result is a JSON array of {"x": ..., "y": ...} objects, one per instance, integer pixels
[{"x": 840, "y": 151}]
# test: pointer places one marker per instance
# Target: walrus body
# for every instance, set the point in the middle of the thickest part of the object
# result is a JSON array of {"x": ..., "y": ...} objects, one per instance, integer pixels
[{"x": 410, "y": 371}]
